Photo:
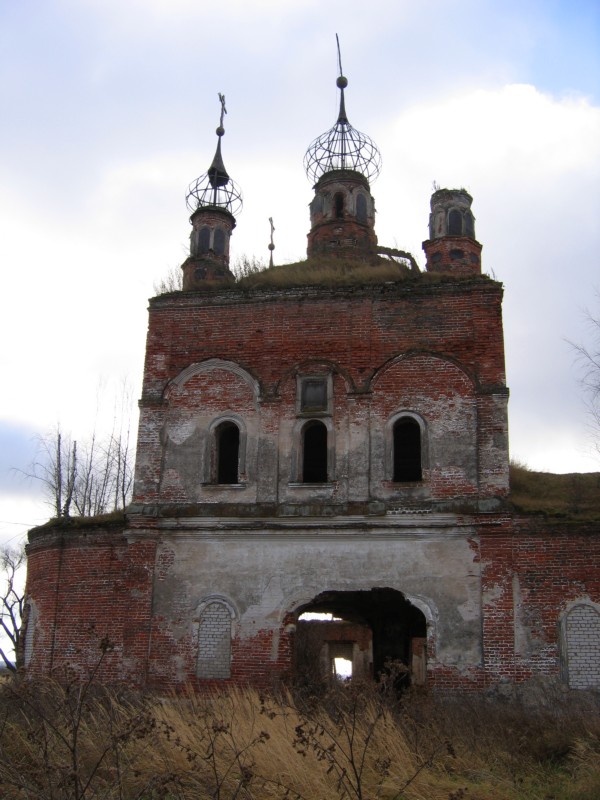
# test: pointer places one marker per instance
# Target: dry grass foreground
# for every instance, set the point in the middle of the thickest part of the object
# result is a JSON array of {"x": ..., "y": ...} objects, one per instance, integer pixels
[{"x": 73, "y": 741}]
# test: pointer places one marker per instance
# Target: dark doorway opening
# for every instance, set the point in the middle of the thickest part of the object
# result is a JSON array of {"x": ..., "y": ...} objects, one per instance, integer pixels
[{"x": 379, "y": 622}]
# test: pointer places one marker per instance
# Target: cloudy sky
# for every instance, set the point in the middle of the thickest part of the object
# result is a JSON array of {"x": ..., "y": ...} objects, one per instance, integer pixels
[{"x": 109, "y": 109}]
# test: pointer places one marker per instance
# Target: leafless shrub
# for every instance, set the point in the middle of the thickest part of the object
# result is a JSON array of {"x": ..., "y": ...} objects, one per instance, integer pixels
[
  {"x": 88, "y": 477},
  {"x": 74, "y": 740},
  {"x": 172, "y": 282}
]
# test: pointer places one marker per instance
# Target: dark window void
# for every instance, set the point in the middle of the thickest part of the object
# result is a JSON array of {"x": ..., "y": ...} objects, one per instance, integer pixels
[
  {"x": 314, "y": 453},
  {"x": 219, "y": 247},
  {"x": 455, "y": 223},
  {"x": 314, "y": 394},
  {"x": 203, "y": 241},
  {"x": 338, "y": 205},
  {"x": 407, "y": 451},
  {"x": 227, "y": 438},
  {"x": 469, "y": 225},
  {"x": 361, "y": 208}
]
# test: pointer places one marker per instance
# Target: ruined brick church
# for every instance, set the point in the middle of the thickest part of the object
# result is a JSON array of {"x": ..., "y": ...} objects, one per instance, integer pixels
[{"x": 322, "y": 473}]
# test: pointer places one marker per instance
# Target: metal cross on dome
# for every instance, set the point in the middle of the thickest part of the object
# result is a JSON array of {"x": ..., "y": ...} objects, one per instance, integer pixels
[
  {"x": 215, "y": 188},
  {"x": 223, "y": 109}
]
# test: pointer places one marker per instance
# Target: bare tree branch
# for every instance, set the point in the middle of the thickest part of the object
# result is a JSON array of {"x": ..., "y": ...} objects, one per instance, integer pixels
[
  {"x": 91, "y": 478},
  {"x": 11, "y": 602},
  {"x": 587, "y": 357}
]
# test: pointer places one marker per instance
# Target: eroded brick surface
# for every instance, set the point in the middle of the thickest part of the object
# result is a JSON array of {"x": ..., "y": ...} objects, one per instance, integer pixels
[{"x": 203, "y": 582}]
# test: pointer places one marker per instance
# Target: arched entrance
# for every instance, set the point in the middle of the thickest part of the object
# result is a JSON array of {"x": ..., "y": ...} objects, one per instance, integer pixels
[{"x": 370, "y": 627}]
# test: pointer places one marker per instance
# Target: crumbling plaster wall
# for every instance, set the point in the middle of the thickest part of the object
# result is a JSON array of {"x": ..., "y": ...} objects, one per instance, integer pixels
[
  {"x": 268, "y": 574},
  {"x": 435, "y": 350},
  {"x": 505, "y": 598}
]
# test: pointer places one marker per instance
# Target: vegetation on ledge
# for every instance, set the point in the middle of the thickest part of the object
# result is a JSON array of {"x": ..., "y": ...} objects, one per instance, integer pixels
[
  {"x": 574, "y": 494},
  {"x": 332, "y": 272},
  {"x": 110, "y": 519},
  {"x": 321, "y": 272}
]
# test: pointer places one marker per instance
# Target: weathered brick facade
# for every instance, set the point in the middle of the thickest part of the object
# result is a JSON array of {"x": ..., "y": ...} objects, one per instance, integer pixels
[{"x": 311, "y": 449}]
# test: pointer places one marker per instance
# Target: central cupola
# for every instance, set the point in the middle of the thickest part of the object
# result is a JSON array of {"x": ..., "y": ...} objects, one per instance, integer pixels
[{"x": 341, "y": 163}]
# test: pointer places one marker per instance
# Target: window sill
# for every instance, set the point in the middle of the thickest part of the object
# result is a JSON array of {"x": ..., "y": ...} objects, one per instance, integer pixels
[
  {"x": 226, "y": 486},
  {"x": 324, "y": 485}
]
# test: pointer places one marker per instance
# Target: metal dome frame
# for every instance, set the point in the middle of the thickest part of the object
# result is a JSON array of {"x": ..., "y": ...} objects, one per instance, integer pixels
[{"x": 342, "y": 148}]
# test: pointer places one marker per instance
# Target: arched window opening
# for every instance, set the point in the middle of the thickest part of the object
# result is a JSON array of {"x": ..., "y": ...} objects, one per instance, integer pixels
[
  {"x": 455, "y": 223},
  {"x": 469, "y": 225},
  {"x": 361, "y": 208},
  {"x": 407, "y": 451},
  {"x": 314, "y": 453},
  {"x": 227, "y": 440},
  {"x": 219, "y": 246},
  {"x": 203, "y": 240},
  {"x": 338, "y": 205}
]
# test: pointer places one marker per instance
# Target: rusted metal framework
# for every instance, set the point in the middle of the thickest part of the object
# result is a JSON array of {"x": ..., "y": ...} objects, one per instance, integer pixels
[
  {"x": 342, "y": 147},
  {"x": 215, "y": 189}
]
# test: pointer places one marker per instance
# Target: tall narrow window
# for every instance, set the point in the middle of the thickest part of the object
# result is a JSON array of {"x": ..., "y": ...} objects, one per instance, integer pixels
[
  {"x": 203, "y": 240},
  {"x": 469, "y": 225},
  {"x": 338, "y": 205},
  {"x": 407, "y": 451},
  {"x": 219, "y": 242},
  {"x": 314, "y": 452},
  {"x": 361, "y": 208},
  {"x": 227, "y": 440},
  {"x": 455, "y": 223}
]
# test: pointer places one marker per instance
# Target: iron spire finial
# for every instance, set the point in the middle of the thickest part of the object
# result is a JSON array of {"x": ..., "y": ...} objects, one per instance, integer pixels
[
  {"x": 343, "y": 147},
  {"x": 271, "y": 245},
  {"x": 337, "y": 39},
  {"x": 341, "y": 83}
]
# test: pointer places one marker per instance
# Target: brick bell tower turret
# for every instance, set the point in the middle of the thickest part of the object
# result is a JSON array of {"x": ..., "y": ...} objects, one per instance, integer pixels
[
  {"x": 452, "y": 246},
  {"x": 341, "y": 162},
  {"x": 213, "y": 200}
]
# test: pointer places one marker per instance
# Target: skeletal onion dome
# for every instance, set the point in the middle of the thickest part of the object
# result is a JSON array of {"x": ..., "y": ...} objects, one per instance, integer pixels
[
  {"x": 213, "y": 190},
  {"x": 342, "y": 148}
]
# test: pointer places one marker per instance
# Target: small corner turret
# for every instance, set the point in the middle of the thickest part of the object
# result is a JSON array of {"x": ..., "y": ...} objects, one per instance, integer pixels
[
  {"x": 340, "y": 163},
  {"x": 213, "y": 199},
  {"x": 452, "y": 246}
]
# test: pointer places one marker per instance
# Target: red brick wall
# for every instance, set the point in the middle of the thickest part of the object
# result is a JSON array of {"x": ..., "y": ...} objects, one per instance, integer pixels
[
  {"x": 358, "y": 334},
  {"x": 359, "y": 329},
  {"x": 530, "y": 574},
  {"x": 90, "y": 593},
  {"x": 85, "y": 586}
]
